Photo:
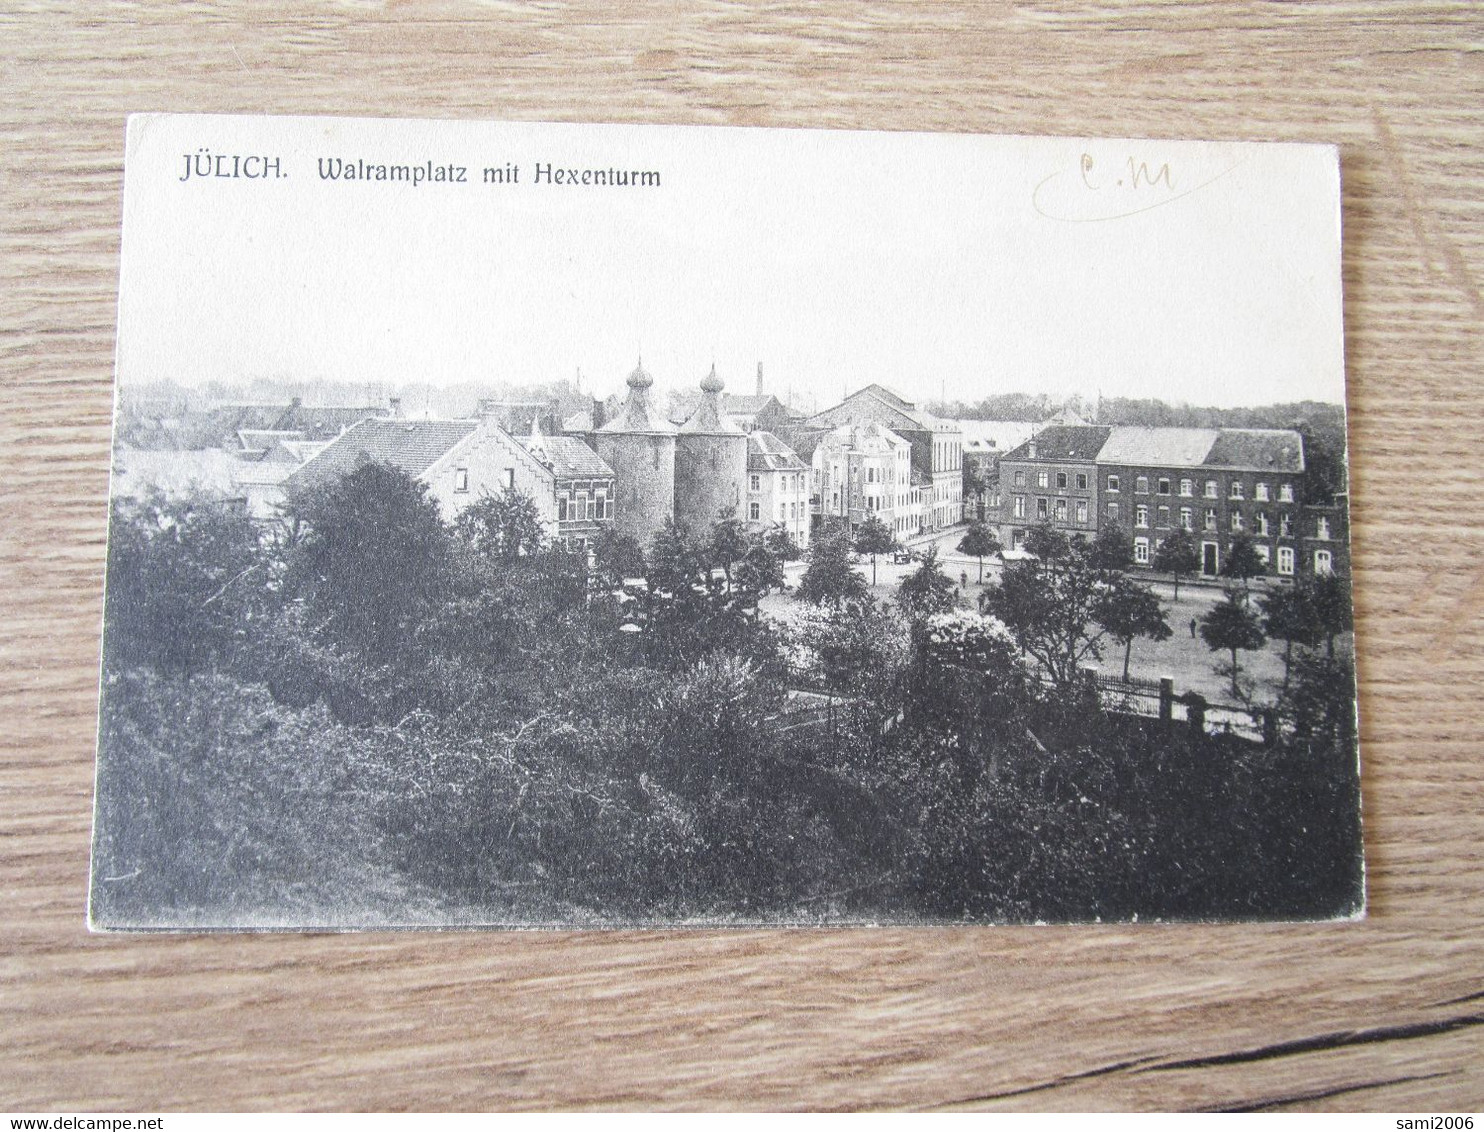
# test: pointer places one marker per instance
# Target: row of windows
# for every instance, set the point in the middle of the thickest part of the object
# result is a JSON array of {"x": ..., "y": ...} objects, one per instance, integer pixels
[
  {"x": 1046, "y": 508},
  {"x": 583, "y": 507},
  {"x": 1237, "y": 489},
  {"x": 789, "y": 481},
  {"x": 785, "y": 511},
  {"x": 1236, "y": 521},
  {"x": 1323, "y": 559},
  {"x": 1043, "y": 479}
]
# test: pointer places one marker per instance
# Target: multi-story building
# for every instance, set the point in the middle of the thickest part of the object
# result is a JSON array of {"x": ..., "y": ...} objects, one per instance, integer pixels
[
  {"x": 777, "y": 487},
  {"x": 1218, "y": 484},
  {"x": 860, "y": 470},
  {"x": 936, "y": 447},
  {"x": 1325, "y": 536},
  {"x": 1251, "y": 482},
  {"x": 985, "y": 443},
  {"x": 1051, "y": 478},
  {"x": 462, "y": 461}
]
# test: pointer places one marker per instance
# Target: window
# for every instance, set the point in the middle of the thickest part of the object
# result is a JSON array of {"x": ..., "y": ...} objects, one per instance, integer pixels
[
  {"x": 1323, "y": 562},
  {"x": 1261, "y": 492},
  {"x": 1210, "y": 518},
  {"x": 1061, "y": 481},
  {"x": 1321, "y": 528},
  {"x": 1236, "y": 520},
  {"x": 1020, "y": 507},
  {"x": 1081, "y": 481},
  {"x": 871, "y": 474},
  {"x": 1285, "y": 493},
  {"x": 1263, "y": 552},
  {"x": 604, "y": 511},
  {"x": 1186, "y": 519},
  {"x": 783, "y": 510},
  {"x": 1210, "y": 489},
  {"x": 1141, "y": 551},
  {"x": 1187, "y": 489},
  {"x": 1163, "y": 517},
  {"x": 1042, "y": 479},
  {"x": 1285, "y": 560},
  {"x": 461, "y": 479},
  {"x": 561, "y": 509},
  {"x": 1061, "y": 510},
  {"x": 1260, "y": 523},
  {"x": 1081, "y": 510},
  {"x": 1285, "y": 526},
  {"x": 754, "y": 511},
  {"x": 1141, "y": 516},
  {"x": 1112, "y": 512},
  {"x": 509, "y": 477},
  {"x": 754, "y": 483},
  {"x": 1162, "y": 487},
  {"x": 1112, "y": 483},
  {"x": 1141, "y": 485},
  {"x": 1019, "y": 478},
  {"x": 1237, "y": 490},
  {"x": 1042, "y": 510}
]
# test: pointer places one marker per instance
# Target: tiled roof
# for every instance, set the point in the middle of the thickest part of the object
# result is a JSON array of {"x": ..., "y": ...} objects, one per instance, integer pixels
[
  {"x": 325, "y": 422},
  {"x": 766, "y": 453},
  {"x": 568, "y": 457},
  {"x": 994, "y": 436},
  {"x": 411, "y": 446},
  {"x": 1158, "y": 447},
  {"x": 1257, "y": 449},
  {"x": 745, "y": 403},
  {"x": 578, "y": 422},
  {"x": 1064, "y": 442}
]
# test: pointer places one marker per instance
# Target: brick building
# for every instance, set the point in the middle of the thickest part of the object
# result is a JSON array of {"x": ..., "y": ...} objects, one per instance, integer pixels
[{"x": 1051, "y": 478}]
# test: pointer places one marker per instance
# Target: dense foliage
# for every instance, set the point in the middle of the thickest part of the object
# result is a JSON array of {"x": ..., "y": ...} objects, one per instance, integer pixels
[{"x": 367, "y": 715}]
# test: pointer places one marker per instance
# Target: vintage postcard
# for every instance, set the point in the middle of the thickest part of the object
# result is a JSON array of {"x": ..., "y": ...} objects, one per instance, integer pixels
[{"x": 564, "y": 525}]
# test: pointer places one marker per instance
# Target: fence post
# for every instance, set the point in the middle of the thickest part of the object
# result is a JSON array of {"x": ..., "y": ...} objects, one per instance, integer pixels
[
  {"x": 1195, "y": 713},
  {"x": 1269, "y": 728},
  {"x": 1166, "y": 699}
]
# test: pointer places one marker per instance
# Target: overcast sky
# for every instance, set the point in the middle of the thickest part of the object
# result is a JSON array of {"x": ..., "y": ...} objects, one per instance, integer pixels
[{"x": 936, "y": 264}]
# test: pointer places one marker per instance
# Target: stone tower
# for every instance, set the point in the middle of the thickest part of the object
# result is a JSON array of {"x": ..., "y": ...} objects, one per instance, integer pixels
[
  {"x": 639, "y": 445},
  {"x": 710, "y": 463}
]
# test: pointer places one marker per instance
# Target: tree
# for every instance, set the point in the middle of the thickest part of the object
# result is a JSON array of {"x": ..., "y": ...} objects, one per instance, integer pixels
[
  {"x": 618, "y": 555},
  {"x": 781, "y": 544},
  {"x": 728, "y": 543},
  {"x": 980, "y": 542},
  {"x": 1130, "y": 610},
  {"x": 183, "y": 576},
  {"x": 1178, "y": 557},
  {"x": 1334, "y": 612},
  {"x": 1242, "y": 561},
  {"x": 1051, "y": 603},
  {"x": 1113, "y": 549},
  {"x": 758, "y": 574},
  {"x": 373, "y": 561},
  {"x": 831, "y": 578},
  {"x": 1289, "y": 616},
  {"x": 504, "y": 526},
  {"x": 1231, "y": 625},
  {"x": 872, "y": 537},
  {"x": 927, "y": 590}
]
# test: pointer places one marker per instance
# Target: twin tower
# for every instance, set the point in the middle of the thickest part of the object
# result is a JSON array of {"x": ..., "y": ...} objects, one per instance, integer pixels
[{"x": 694, "y": 472}]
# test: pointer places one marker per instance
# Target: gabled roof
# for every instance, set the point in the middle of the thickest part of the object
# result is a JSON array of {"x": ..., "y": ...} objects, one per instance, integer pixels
[
  {"x": 410, "y": 446},
  {"x": 568, "y": 458},
  {"x": 1158, "y": 447},
  {"x": 870, "y": 437},
  {"x": 325, "y": 422},
  {"x": 1064, "y": 442},
  {"x": 1257, "y": 449},
  {"x": 766, "y": 453},
  {"x": 578, "y": 422},
  {"x": 744, "y": 404}
]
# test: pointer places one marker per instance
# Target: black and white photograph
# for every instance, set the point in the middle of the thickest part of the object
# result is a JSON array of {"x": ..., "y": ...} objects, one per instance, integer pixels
[{"x": 525, "y": 525}]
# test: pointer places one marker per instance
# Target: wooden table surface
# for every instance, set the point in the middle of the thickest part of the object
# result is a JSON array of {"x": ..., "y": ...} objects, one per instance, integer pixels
[{"x": 1383, "y": 1014}]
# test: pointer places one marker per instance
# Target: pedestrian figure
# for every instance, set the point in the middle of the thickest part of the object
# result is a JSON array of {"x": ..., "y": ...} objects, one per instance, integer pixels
[
  {"x": 1192, "y": 628},
  {"x": 963, "y": 579}
]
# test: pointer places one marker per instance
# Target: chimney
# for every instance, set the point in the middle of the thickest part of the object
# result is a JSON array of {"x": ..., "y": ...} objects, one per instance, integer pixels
[
  {"x": 760, "y": 379},
  {"x": 1033, "y": 449},
  {"x": 395, "y": 405},
  {"x": 600, "y": 413}
]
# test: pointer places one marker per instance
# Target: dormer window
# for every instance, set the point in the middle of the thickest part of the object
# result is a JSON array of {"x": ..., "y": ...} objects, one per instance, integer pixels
[{"x": 461, "y": 479}]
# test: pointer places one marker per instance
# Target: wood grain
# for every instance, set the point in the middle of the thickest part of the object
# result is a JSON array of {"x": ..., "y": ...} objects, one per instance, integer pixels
[{"x": 1383, "y": 1014}]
